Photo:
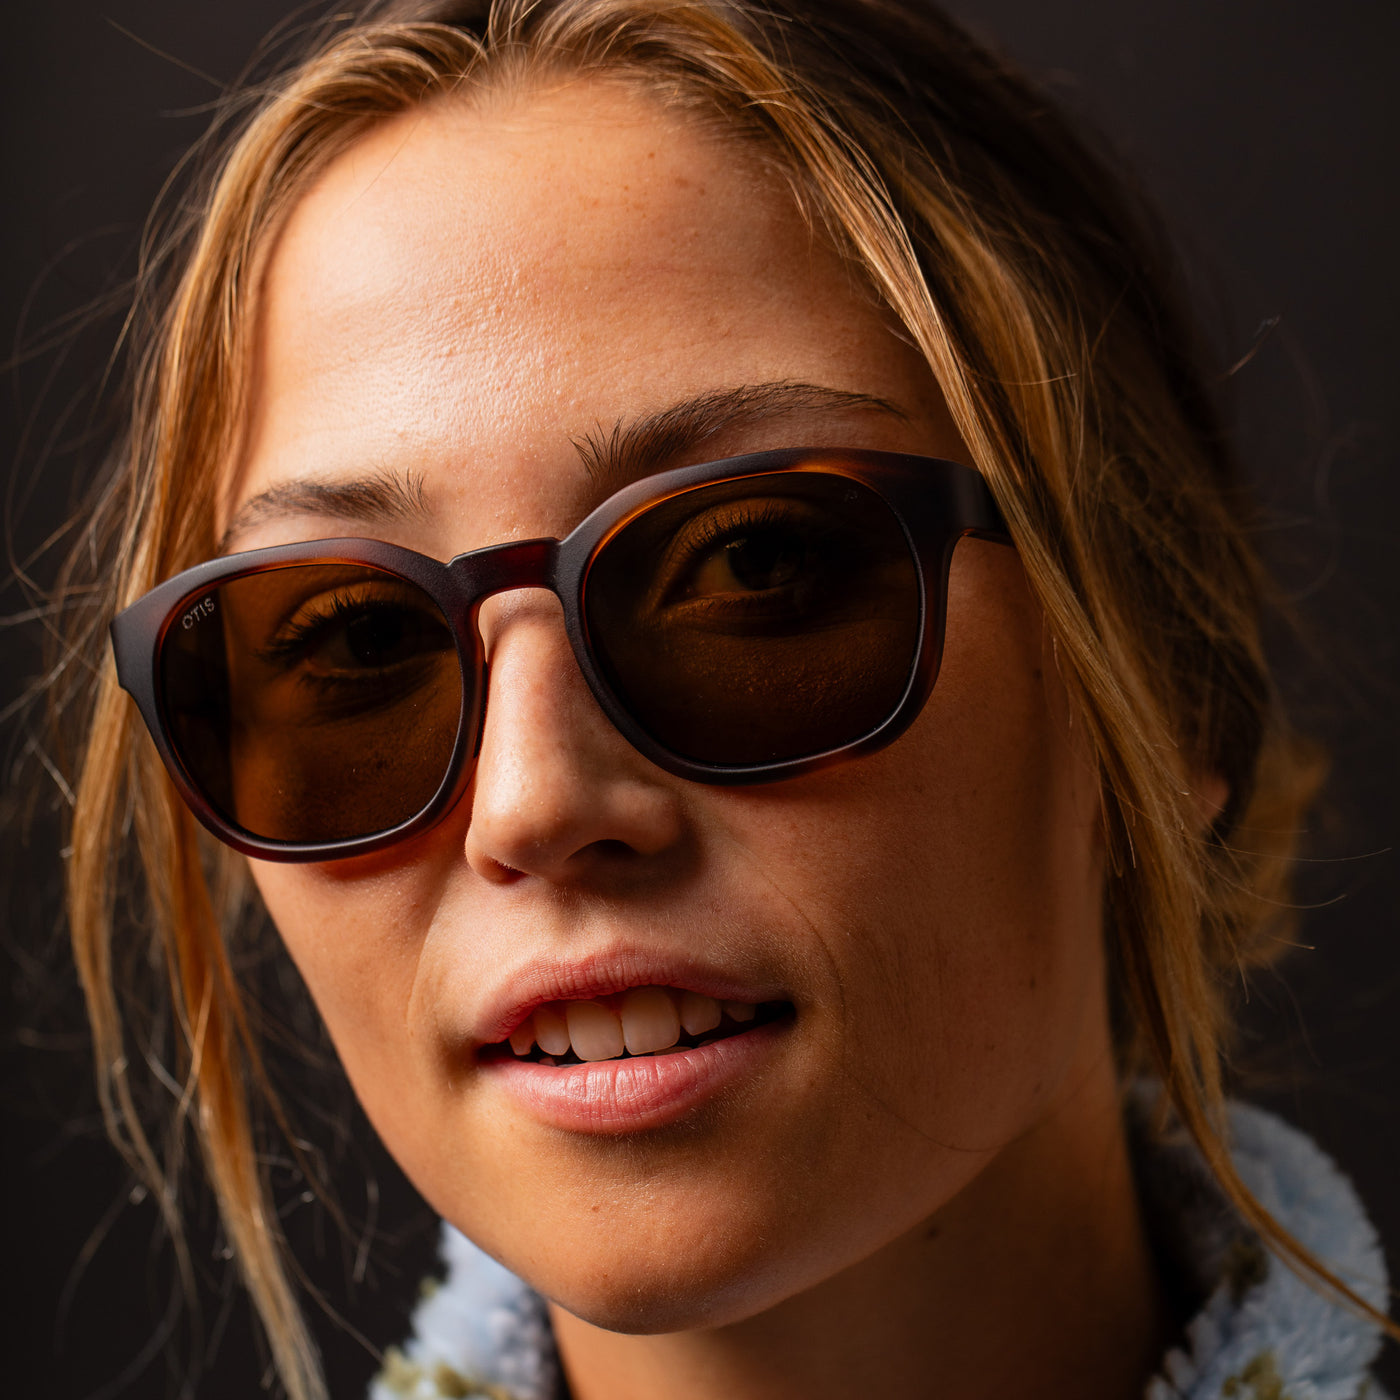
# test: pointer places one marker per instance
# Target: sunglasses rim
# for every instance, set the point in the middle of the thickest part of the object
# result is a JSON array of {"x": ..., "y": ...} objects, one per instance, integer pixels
[{"x": 934, "y": 501}]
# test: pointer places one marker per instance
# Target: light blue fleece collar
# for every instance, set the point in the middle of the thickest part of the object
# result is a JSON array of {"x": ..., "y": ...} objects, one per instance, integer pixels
[{"x": 1262, "y": 1334}]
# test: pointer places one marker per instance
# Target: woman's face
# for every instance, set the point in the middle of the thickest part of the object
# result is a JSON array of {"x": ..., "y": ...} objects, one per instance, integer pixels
[{"x": 464, "y": 297}]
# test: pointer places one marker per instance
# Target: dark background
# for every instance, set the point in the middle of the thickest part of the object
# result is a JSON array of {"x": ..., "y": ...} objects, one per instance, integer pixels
[{"x": 1265, "y": 128}]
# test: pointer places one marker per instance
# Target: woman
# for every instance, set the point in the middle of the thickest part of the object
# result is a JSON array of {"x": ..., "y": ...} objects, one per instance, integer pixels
[{"x": 759, "y": 953}]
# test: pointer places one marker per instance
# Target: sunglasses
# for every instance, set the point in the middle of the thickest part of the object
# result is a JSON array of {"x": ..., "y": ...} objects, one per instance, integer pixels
[{"x": 739, "y": 622}]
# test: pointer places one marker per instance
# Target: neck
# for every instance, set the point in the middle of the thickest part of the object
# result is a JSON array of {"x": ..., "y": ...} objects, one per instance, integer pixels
[{"x": 1035, "y": 1280}]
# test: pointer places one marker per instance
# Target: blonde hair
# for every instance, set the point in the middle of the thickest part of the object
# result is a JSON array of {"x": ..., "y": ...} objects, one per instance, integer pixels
[{"x": 1038, "y": 295}]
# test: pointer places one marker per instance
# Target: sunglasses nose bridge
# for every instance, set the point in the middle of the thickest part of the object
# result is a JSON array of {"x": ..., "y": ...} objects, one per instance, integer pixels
[{"x": 500, "y": 568}]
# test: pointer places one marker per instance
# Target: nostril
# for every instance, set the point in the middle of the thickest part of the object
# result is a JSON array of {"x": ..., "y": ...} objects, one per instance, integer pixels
[
  {"x": 611, "y": 846},
  {"x": 498, "y": 872}
]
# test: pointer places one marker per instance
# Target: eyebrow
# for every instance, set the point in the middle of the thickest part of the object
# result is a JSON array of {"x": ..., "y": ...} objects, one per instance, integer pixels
[
  {"x": 612, "y": 456},
  {"x": 383, "y": 497},
  {"x": 625, "y": 452}
]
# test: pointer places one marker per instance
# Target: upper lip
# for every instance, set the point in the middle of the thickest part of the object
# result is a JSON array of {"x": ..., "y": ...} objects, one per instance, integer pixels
[{"x": 602, "y": 973}]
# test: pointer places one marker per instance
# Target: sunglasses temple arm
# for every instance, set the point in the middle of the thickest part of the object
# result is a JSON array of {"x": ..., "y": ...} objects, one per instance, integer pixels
[{"x": 982, "y": 514}]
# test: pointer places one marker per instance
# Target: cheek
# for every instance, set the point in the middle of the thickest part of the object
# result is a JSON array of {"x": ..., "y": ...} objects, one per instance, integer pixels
[
  {"x": 357, "y": 943},
  {"x": 960, "y": 914}
]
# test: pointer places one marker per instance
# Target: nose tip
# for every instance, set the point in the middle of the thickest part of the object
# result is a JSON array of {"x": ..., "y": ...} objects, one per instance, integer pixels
[{"x": 558, "y": 793}]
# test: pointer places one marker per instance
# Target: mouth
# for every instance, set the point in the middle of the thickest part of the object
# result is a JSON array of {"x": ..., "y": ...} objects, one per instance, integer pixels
[
  {"x": 624, "y": 1040},
  {"x": 651, "y": 1022}
]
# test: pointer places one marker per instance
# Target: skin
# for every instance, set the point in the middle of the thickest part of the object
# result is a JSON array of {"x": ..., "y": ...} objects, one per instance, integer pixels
[{"x": 931, "y": 1162}]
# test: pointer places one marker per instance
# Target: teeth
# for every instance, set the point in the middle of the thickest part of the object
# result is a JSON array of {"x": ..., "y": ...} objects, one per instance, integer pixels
[
  {"x": 595, "y": 1031},
  {"x": 551, "y": 1030},
  {"x": 699, "y": 1013},
  {"x": 649, "y": 1020}
]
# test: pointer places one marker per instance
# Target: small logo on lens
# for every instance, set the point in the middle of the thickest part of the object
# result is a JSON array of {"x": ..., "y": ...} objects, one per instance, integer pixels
[{"x": 202, "y": 609}]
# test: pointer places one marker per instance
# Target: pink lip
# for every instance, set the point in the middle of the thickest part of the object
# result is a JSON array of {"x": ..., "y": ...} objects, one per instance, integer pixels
[
  {"x": 603, "y": 974},
  {"x": 627, "y": 1096}
]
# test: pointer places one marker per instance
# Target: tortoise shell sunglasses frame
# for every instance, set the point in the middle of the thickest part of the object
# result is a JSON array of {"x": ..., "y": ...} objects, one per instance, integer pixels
[{"x": 934, "y": 502}]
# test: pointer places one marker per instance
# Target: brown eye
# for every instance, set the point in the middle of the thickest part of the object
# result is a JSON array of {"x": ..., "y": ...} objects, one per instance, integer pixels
[
  {"x": 760, "y": 560},
  {"x": 356, "y": 633},
  {"x": 377, "y": 636},
  {"x": 358, "y": 637}
]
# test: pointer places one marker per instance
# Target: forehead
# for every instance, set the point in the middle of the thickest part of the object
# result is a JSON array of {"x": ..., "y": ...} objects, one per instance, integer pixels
[
  {"x": 483, "y": 283},
  {"x": 478, "y": 229}
]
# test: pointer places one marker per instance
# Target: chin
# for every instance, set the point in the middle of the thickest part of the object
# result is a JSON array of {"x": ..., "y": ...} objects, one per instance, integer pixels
[
  {"x": 668, "y": 1284},
  {"x": 656, "y": 1301}
]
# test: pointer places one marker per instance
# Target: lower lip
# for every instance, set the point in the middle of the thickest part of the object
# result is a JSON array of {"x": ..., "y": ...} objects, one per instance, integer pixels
[{"x": 627, "y": 1096}]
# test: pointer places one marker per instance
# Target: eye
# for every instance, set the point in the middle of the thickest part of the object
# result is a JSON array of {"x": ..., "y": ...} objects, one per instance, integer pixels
[
  {"x": 356, "y": 634},
  {"x": 769, "y": 557},
  {"x": 375, "y": 635},
  {"x": 762, "y": 558},
  {"x": 749, "y": 552}
]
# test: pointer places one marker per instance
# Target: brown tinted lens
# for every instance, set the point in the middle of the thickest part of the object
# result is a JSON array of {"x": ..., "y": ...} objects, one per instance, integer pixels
[
  {"x": 759, "y": 620},
  {"x": 313, "y": 703}
]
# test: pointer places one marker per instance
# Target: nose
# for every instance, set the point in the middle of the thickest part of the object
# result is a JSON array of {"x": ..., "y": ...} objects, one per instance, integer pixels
[{"x": 558, "y": 793}]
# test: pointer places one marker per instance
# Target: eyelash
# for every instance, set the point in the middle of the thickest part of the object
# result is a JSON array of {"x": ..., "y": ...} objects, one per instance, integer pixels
[
  {"x": 713, "y": 529},
  {"x": 298, "y": 634}
]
